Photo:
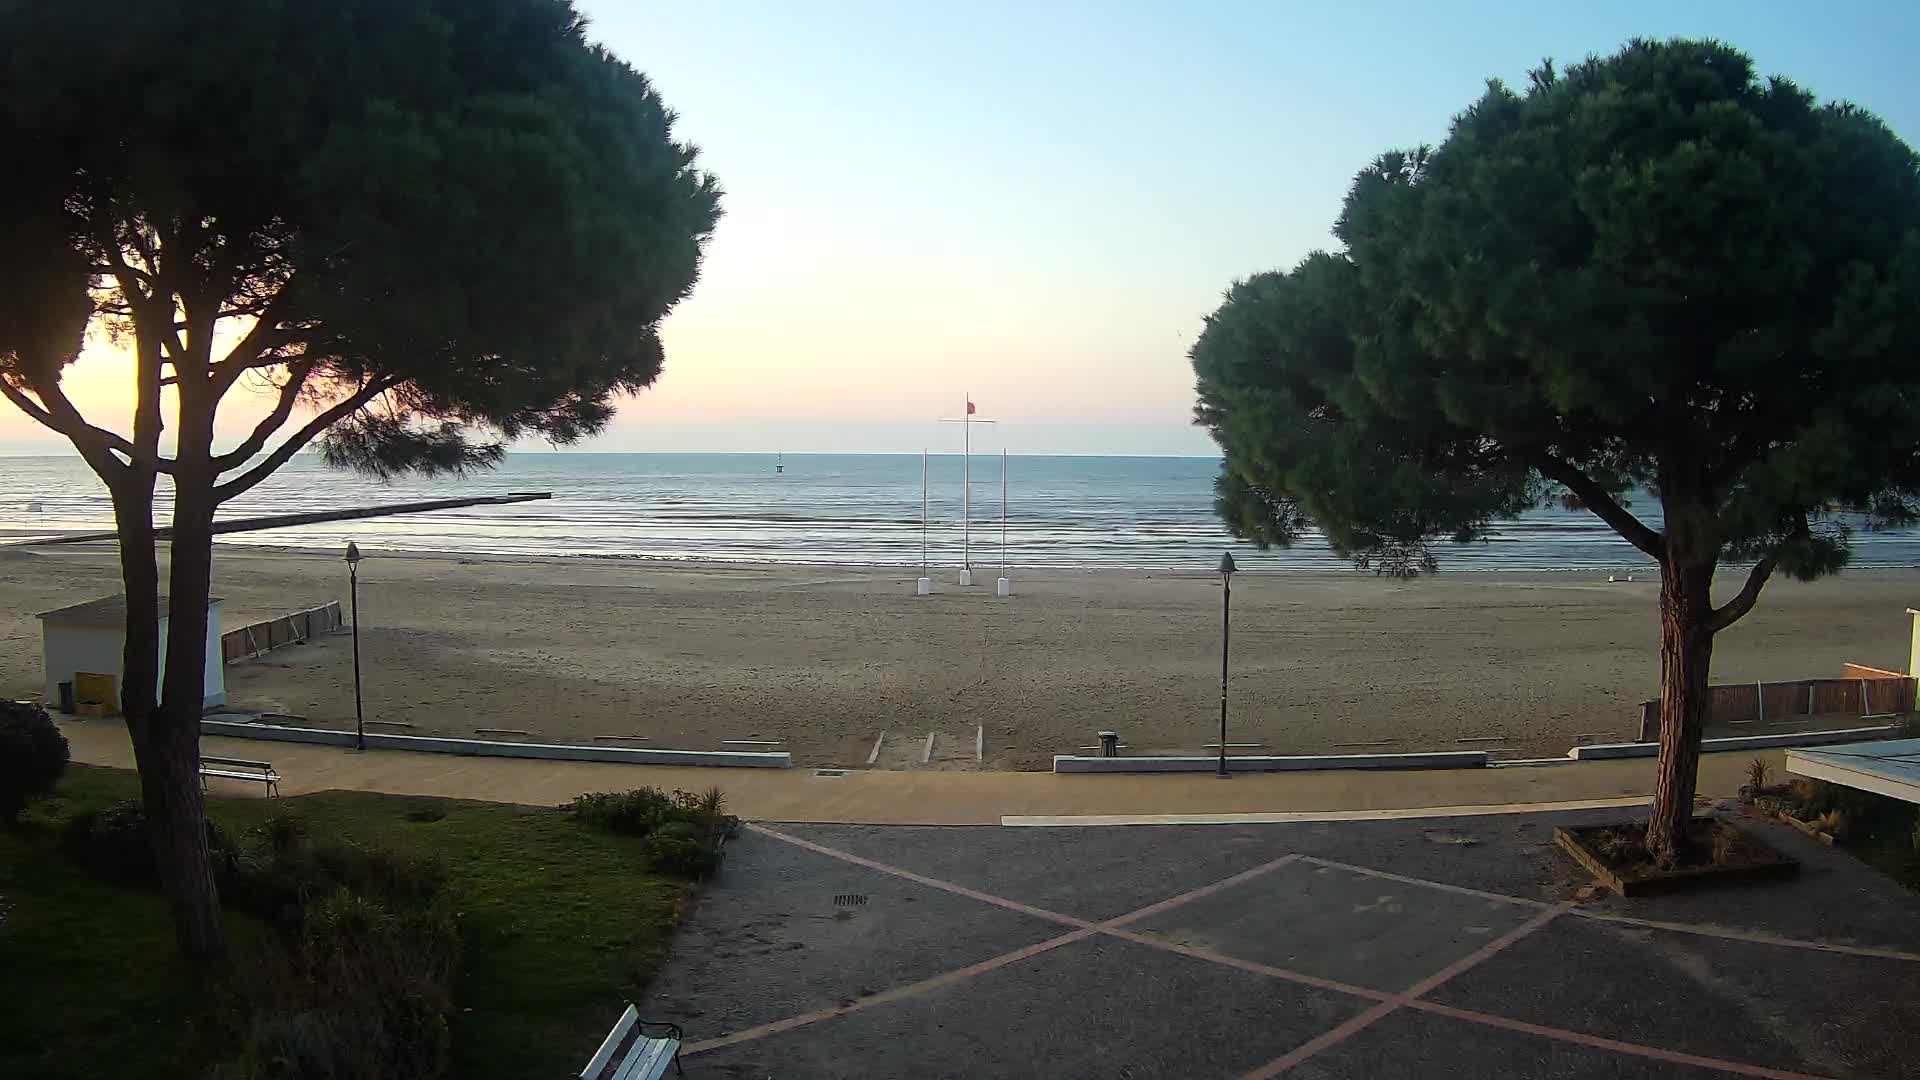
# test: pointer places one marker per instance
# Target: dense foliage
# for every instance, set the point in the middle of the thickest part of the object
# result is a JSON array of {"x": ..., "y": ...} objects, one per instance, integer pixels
[
  {"x": 33, "y": 755},
  {"x": 684, "y": 831},
  {"x": 1655, "y": 269},
  {"x": 1653, "y": 272},
  {"x": 409, "y": 230}
]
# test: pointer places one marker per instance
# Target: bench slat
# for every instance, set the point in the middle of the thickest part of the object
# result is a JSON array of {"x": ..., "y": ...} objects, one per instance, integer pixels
[
  {"x": 611, "y": 1044},
  {"x": 208, "y": 759},
  {"x": 650, "y": 1060},
  {"x": 258, "y": 778}
]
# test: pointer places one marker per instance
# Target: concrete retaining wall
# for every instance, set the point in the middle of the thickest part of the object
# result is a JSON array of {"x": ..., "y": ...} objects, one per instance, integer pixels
[
  {"x": 1599, "y": 751},
  {"x": 1457, "y": 759},
  {"x": 625, "y": 755}
]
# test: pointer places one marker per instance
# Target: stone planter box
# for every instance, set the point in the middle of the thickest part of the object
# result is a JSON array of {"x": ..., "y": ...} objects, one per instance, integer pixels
[{"x": 1759, "y": 863}]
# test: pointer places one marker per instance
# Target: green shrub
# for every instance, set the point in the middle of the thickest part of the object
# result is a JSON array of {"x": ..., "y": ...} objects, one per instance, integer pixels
[
  {"x": 629, "y": 813},
  {"x": 361, "y": 990},
  {"x": 278, "y": 880},
  {"x": 282, "y": 831},
  {"x": 112, "y": 843},
  {"x": 683, "y": 831},
  {"x": 690, "y": 856},
  {"x": 33, "y": 755}
]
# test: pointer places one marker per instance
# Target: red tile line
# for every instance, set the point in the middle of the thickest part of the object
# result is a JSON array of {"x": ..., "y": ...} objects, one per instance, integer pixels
[
  {"x": 886, "y": 996},
  {"x": 1385, "y": 1002},
  {"x": 1333, "y": 1037},
  {"x": 1670, "y": 1057},
  {"x": 1085, "y": 929},
  {"x": 921, "y": 879},
  {"x": 1701, "y": 929}
]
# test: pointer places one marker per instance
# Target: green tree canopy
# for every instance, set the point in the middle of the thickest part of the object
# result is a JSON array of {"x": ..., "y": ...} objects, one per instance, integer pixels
[
  {"x": 1656, "y": 270},
  {"x": 419, "y": 228}
]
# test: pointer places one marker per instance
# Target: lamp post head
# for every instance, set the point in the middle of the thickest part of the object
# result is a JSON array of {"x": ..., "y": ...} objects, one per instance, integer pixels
[
  {"x": 1226, "y": 564},
  {"x": 353, "y": 553}
]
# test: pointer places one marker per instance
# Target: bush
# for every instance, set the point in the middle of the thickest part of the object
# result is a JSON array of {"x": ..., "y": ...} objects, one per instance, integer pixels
[
  {"x": 278, "y": 881},
  {"x": 683, "y": 850},
  {"x": 112, "y": 843},
  {"x": 362, "y": 990},
  {"x": 683, "y": 831},
  {"x": 629, "y": 813},
  {"x": 33, "y": 755}
]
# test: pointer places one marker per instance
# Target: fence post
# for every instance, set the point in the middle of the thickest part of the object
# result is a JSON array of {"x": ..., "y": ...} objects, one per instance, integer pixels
[{"x": 1759, "y": 702}]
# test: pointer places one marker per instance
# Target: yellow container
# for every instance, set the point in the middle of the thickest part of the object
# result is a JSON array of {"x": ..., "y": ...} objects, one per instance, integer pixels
[{"x": 95, "y": 695}]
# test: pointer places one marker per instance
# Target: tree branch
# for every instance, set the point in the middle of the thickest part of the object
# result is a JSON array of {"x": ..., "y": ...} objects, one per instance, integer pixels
[
  {"x": 299, "y": 440},
  {"x": 155, "y": 296},
  {"x": 1730, "y": 612},
  {"x": 1603, "y": 505},
  {"x": 58, "y": 414},
  {"x": 274, "y": 421}
]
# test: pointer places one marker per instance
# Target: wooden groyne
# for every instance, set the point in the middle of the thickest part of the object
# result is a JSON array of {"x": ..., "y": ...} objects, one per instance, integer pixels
[{"x": 316, "y": 517}]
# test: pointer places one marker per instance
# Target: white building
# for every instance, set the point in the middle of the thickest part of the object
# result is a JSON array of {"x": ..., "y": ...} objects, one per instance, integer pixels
[{"x": 90, "y": 638}]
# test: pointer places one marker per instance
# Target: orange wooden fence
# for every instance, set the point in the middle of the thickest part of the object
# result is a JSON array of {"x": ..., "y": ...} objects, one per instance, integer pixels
[
  {"x": 1865, "y": 691},
  {"x": 266, "y": 636}
]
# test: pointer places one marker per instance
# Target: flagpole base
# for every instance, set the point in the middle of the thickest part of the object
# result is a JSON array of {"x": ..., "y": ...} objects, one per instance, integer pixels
[
  {"x": 1005, "y": 587},
  {"x": 924, "y": 588},
  {"x": 966, "y": 577}
]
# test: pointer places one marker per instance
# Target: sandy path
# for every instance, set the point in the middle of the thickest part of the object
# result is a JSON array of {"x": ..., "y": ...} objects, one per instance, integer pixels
[{"x": 827, "y": 658}]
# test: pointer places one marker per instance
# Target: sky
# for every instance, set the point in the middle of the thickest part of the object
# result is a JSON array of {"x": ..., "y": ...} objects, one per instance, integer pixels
[{"x": 1037, "y": 203}]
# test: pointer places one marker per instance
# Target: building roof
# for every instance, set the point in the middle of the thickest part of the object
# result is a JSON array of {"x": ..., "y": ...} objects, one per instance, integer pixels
[
  {"x": 110, "y": 611},
  {"x": 1890, "y": 768}
]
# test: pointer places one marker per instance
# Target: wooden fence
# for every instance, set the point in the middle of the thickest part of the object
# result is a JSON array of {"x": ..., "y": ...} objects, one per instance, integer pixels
[
  {"x": 262, "y": 637},
  {"x": 1865, "y": 691}
]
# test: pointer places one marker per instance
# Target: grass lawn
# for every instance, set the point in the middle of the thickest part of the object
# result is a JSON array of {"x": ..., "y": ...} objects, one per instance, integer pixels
[{"x": 561, "y": 928}]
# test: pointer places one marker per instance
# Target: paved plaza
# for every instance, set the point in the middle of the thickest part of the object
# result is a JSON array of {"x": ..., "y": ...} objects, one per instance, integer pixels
[{"x": 1436, "y": 947}]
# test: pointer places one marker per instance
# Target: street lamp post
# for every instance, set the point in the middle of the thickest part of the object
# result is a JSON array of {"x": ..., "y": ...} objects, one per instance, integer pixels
[
  {"x": 1226, "y": 635},
  {"x": 353, "y": 589}
]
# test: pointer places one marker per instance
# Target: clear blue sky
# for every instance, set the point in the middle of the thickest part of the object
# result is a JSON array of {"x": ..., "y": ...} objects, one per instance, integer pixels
[{"x": 1038, "y": 202}]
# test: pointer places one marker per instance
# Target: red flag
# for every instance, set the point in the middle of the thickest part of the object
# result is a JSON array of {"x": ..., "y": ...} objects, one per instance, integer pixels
[{"x": 970, "y": 407}]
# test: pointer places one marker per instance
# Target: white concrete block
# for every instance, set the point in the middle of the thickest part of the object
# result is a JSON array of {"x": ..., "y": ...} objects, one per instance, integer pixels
[
  {"x": 630, "y": 755},
  {"x": 1453, "y": 759},
  {"x": 1004, "y": 588},
  {"x": 1595, "y": 751}
]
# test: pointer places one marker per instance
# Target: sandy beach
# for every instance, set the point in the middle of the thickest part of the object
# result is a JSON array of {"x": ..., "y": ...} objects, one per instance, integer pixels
[{"x": 826, "y": 659}]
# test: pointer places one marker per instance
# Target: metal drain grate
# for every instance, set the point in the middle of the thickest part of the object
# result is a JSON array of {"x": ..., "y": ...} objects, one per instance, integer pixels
[{"x": 829, "y": 772}]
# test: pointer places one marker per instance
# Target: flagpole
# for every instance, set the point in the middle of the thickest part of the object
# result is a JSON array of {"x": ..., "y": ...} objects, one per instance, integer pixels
[
  {"x": 966, "y": 421},
  {"x": 966, "y": 490},
  {"x": 1004, "y": 587},
  {"x": 925, "y": 585}
]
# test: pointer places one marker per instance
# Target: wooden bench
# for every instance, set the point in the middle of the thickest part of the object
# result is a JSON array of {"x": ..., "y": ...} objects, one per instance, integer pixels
[
  {"x": 260, "y": 772},
  {"x": 629, "y": 1053}
]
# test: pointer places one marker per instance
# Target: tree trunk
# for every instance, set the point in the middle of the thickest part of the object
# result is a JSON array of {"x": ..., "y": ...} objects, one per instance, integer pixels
[
  {"x": 176, "y": 810},
  {"x": 1686, "y": 660},
  {"x": 166, "y": 752}
]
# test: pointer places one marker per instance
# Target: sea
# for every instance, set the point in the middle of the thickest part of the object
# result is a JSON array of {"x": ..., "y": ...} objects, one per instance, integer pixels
[{"x": 1130, "y": 513}]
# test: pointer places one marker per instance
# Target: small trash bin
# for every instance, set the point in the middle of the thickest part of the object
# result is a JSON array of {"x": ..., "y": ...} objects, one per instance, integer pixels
[
  {"x": 66, "y": 698},
  {"x": 1109, "y": 744}
]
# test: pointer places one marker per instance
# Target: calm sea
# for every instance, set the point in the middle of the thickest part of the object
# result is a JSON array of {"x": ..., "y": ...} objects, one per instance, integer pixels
[{"x": 1119, "y": 512}]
